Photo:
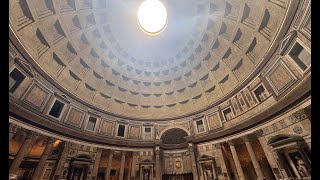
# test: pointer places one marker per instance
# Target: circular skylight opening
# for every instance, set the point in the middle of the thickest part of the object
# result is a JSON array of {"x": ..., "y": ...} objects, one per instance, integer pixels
[{"x": 152, "y": 17}]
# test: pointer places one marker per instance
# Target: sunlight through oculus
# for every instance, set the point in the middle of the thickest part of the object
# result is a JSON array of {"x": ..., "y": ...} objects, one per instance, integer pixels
[{"x": 152, "y": 17}]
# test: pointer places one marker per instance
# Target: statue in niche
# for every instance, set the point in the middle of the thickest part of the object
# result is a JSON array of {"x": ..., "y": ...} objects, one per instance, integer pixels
[
  {"x": 146, "y": 174},
  {"x": 302, "y": 168},
  {"x": 76, "y": 175},
  {"x": 208, "y": 173}
]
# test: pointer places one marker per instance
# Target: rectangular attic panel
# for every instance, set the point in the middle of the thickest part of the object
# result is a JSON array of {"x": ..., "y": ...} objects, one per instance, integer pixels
[
  {"x": 36, "y": 96},
  {"x": 213, "y": 121},
  {"x": 106, "y": 127},
  {"x": 75, "y": 117}
]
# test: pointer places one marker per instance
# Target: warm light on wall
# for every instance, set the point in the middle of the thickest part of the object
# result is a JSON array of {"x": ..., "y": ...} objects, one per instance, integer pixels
[
  {"x": 178, "y": 164},
  {"x": 152, "y": 17},
  {"x": 56, "y": 143}
]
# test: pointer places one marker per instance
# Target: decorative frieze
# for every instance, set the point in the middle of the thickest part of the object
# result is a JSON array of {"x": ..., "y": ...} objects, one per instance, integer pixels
[{"x": 298, "y": 116}]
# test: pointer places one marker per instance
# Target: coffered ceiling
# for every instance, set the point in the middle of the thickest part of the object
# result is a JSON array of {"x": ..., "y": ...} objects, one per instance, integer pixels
[{"x": 95, "y": 50}]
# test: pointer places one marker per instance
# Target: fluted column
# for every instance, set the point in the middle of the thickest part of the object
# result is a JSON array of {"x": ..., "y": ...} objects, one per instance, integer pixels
[
  {"x": 62, "y": 159},
  {"x": 202, "y": 175},
  {"x": 96, "y": 164},
  {"x": 214, "y": 173},
  {"x": 109, "y": 165},
  {"x": 133, "y": 166},
  {"x": 194, "y": 162},
  {"x": 123, "y": 159},
  {"x": 41, "y": 164},
  {"x": 236, "y": 160},
  {"x": 158, "y": 173},
  {"x": 293, "y": 167},
  {"x": 27, "y": 143},
  {"x": 222, "y": 161},
  {"x": 269, "y": 155},
  {"x": 256, "y": 165}
]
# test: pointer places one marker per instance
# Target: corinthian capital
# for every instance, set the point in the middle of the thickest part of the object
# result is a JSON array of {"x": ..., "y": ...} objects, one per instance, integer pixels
[
  {"x": 31, "y": 134},
  {"x": 230, "y": 142},
  {"x": 51, "y": 140}
]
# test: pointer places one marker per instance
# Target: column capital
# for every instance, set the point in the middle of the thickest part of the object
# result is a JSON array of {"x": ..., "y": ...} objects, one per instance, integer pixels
[
  {"x": 191, "y": 148},
  {"x": 111, "y": 151},
  {"x": 135, "y": 153},
  {"x": 99, "y": 149},
  {"x": 259, "y": 133},
  {"x": 157, "y": 151},
  {"x": 13, "y": 128},
  {"x": 157, "y": 142},
  {"x": 217, "y": 146},
  {"x": 123, "y": 153},
  {"x": 230, "y": 142},
  {"x": 245, "y": 138},
  {"x": 31, "y": 134}
]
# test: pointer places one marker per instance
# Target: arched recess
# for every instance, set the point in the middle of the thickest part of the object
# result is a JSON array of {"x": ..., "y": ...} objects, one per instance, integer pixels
[
  {"x": 174, "y": 136},
  {"x": 174, "y": 126},
  {"x": 284, "y": 138},
  {"x": 85, "y": 157}
]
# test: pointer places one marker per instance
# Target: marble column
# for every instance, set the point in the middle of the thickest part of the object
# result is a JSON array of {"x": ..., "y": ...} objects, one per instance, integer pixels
[
  {"x": 236, "y": 160},
  {"x": 123, "y": 160},
  {"x": 282, "y": 165},
  {"x": 140, "y": 171},
  {"x": 214, "y": 172},
  {"x": 24, "y": 148},
  {"x": 43, "y": 159},
  {"x": 109, "y": 166},
  {"x": 193, "y": 161},
  {"x": 293, "y": 167},
  {"x": 133, "y": 166},
  {"x": 304, "y": 157},
  {"x": 62, "y": 159},
  {"x": 158, "y": 173},
  {"x": 96, "y": 164},
  {"x": 255, "y": 162},
  {"x": 202, "y": 174},
  {"x": 222, "y": 161},
  {"x": 269, "y": 155}
]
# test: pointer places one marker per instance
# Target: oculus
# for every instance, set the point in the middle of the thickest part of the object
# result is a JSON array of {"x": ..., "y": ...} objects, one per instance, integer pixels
[{"x": 152, "y": 17}]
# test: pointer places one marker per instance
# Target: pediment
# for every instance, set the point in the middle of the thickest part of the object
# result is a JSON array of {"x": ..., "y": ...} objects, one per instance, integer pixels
[
  {"x": 25, "y": 66},
  {"x": 205, "y": 157},
  {"x": 285, "y": 42}
]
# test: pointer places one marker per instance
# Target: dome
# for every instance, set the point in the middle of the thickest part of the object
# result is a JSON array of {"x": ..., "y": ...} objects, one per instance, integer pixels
[
  {"x": 199, "y": 91},
  {"x": 208, "y": 50}
]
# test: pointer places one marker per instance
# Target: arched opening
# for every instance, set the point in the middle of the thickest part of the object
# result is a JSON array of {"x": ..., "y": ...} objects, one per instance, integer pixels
[{"x": 174, "y": 137}]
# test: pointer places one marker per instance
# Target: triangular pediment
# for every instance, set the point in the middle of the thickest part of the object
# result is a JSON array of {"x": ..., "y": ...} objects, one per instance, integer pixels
[
  {"x": 25, "y": 66},
  {"x": 285, "y": 42},
  {"x": 62, "y": 96}
]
